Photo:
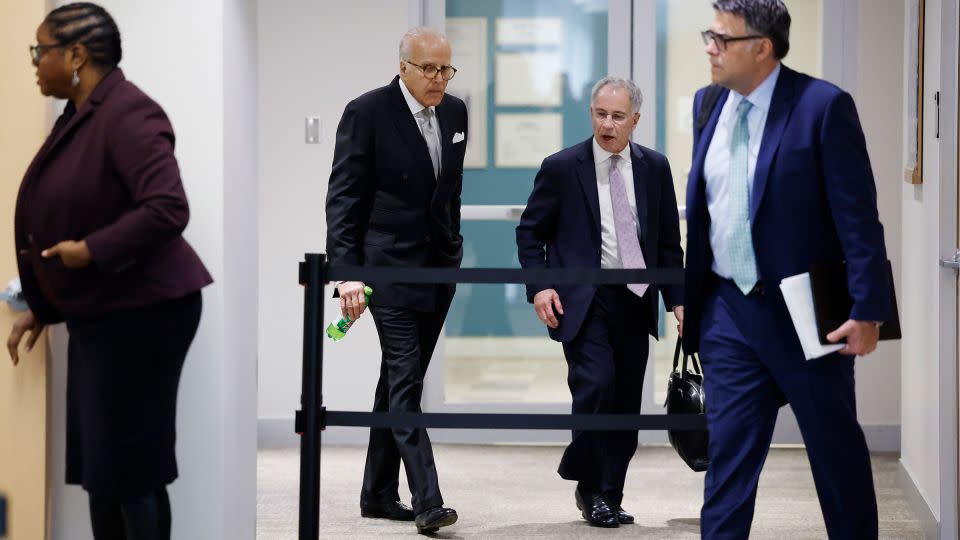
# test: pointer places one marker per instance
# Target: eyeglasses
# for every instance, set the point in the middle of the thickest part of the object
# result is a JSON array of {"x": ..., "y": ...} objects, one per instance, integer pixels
[
  {"x": 617, "y": 117},
  {"x": 36, "y": 51},
  {"x": 721, "y": 40},
  {"x": 430, "y": 71}
]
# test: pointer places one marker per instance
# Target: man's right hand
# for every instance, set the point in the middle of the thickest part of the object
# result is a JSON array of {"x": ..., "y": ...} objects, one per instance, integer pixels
[
  {"x": 544, "y": 302},
  {"x": 352, "y": 301}
]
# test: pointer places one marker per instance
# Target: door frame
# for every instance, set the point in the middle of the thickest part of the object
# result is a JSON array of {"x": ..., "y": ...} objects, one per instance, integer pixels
[
  {"x": 949, "y": 242},
  {"x": 631, "y": 35}
]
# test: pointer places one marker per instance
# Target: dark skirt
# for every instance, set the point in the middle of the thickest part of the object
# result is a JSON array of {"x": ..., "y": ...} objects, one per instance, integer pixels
[{"x": 123, "y": 373}]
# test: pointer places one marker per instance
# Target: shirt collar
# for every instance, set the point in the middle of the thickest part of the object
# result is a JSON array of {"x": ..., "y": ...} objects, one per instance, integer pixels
[
  {"x": 415, "y": 106},
  {"x": 762, "y": 95},
  {"x": 600, "y": 155}
]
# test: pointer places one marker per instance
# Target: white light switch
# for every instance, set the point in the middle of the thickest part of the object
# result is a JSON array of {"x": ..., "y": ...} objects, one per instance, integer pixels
[{"x": 312, "y": 130}]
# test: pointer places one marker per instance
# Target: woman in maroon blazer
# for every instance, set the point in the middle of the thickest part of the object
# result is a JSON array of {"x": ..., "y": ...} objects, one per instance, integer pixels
[{"x": 98, "y": 231}]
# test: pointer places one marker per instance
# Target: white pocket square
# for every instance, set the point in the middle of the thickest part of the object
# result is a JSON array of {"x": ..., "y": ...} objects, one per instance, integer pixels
[{"x": 458, "y": 137}]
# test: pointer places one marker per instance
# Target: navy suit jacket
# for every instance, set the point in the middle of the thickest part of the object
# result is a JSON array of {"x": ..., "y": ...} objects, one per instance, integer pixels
[
  {"x": 813, "y": 201},
  {"x": 560, "y": 228},
  {"x": 384, "y": 206},
  {"x": 107, "y": 174}
]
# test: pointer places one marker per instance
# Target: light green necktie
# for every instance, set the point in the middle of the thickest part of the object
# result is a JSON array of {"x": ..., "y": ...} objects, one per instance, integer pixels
[{"x": 742, "y": 258}]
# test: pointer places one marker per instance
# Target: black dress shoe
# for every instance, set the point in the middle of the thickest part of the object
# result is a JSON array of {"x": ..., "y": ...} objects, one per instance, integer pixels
[
  {"x": 395, "y": 510},
  {"x": 596, "y": 510},
  {"x": 624, "y": 517},
  {"x": 432, "y": 519}
]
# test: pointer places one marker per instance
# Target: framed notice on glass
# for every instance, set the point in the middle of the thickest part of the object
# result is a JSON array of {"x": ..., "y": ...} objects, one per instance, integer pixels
[
  {"x": 524, "y": 139},
  {"x": 468, "y": 39}
]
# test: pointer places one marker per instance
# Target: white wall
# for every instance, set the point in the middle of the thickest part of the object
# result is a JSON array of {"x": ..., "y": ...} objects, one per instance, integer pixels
[
  {"x": 879, "y": 57},
  {"x": 195, "y": 58},
  {"x": 240, "y": 269},
  {"x": 315, "y": 56},
  {"x": 920, "y": 306}
]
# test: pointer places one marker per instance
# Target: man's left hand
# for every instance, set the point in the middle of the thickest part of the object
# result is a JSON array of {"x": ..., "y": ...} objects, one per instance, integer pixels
[
  {"x": 862, "y": 337},
  {"x": 678, "y": 313},
  {"x": 73, "y": 254}
]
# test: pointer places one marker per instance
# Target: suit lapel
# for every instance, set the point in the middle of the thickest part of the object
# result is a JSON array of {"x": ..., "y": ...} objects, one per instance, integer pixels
[
  {"x": 408, "y": 128},
  {"x": 781, "y": 105},
  {"x": 447, "y": 129},
  {"x": 86, "y": 109},
  {"x": 52, "y": 143},
  {"x": 587, "y": 172},
  {"x": 645, "y": 191},
  {"x": 695, "y": 180}
]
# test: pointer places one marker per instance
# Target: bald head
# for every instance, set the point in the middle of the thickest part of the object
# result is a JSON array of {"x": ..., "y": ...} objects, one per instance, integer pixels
[{"x": 420, "y": 35}]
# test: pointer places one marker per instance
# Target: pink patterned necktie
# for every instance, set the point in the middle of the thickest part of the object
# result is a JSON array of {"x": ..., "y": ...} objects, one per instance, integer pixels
[{"x": 627, "y": 240}]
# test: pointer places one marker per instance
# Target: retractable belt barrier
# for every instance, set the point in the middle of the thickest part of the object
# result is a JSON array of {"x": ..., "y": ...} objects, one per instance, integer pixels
[{"x": 315, "y": 272}]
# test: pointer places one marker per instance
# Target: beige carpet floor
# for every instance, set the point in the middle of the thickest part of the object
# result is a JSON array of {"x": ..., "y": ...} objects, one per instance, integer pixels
[{"x": 514, "y": 492}]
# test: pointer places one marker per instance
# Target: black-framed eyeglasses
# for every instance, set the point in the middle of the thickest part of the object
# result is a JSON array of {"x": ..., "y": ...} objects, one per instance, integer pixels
[
  {"x": 721, "y": 40},
  {"x": 36, "y": 51},
  {"x": 430, "y": 71}
]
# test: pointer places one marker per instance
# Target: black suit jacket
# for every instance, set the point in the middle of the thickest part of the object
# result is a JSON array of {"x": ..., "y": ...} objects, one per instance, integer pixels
[
  {"x": 384, "y": 206},
  {"x": 560, "y": 228}
]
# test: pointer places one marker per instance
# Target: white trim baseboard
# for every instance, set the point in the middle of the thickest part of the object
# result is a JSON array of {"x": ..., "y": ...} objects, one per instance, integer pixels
[{"x": 929, "y": 523}]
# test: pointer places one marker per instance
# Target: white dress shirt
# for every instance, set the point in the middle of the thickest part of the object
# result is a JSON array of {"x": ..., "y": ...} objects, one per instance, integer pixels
[
  {"x": 716, "y": 167},
  {"x": 609, "y": 249},
  {"x": 415, "y": 109}
]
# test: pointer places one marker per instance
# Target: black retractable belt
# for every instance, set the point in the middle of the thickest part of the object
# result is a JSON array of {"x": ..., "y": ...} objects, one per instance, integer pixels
[{"x": 314, "y": 272}]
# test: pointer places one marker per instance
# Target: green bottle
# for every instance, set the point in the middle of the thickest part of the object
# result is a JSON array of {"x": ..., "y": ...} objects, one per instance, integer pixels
[{"x": 337, "y": 331}]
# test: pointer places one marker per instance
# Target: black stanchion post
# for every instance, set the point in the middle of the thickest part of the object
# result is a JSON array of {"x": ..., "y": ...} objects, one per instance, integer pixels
[
  {"x": 312, "y": 276},
  {"x": 3, "y": 516}
]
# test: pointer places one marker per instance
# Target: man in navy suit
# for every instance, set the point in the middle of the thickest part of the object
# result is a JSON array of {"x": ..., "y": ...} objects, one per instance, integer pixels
[
  {"x": 603, "y": 203},
  {"x": 394, "y": 200},
  {"x": 780, "y": 181}
]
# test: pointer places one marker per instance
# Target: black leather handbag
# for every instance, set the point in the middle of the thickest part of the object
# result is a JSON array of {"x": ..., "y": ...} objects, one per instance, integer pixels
[{"x": 685, "y": 396}]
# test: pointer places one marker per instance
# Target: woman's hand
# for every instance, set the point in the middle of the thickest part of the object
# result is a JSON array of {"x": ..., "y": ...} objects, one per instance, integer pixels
[
  {"x": 73, "y": 254},
  {"x": 24, "y": 323}
]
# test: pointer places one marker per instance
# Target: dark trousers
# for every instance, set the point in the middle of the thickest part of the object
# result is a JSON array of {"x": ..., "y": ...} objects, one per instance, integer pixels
[
  {"x": 407, "y": 339},
  {"x": 753, "y": 364},
  {"x": 606, "y": 364},
  {"x": 143, "y": 517}
]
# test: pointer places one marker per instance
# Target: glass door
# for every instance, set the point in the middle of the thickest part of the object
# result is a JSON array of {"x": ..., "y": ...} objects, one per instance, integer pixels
[{"x": 526, "y": 68}]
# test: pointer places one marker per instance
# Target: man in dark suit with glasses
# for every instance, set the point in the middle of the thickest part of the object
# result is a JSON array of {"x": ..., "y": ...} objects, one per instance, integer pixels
[{"x": 394, "y": 200}]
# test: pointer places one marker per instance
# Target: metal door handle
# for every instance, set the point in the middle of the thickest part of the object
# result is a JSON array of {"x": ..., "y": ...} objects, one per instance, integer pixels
[{"x": 953, "y": 262}]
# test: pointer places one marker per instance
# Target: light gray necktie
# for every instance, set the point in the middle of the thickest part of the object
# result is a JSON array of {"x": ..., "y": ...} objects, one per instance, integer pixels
[
  {"x": 627, "y": 241},
  {"x": 428, "y": 125}
]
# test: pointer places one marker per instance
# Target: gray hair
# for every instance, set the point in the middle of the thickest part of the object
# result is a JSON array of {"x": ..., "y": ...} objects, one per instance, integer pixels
[
  {"x": 415, "y": 33},
  {"x": 769, "y": 18},
  {"x": 636, "y": 98}
]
